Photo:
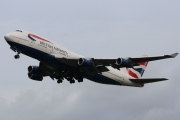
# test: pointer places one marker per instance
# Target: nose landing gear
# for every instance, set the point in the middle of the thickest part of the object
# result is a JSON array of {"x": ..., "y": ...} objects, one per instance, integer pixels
[
  {"x": 15, "y": 49},
  {"x": 17, "y": 56}
]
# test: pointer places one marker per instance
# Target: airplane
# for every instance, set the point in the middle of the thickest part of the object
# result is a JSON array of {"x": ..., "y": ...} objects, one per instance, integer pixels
[{"x": 59, "y": 63}]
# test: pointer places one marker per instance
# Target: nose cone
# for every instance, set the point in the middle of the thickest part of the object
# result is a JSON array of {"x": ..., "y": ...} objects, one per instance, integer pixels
[{"x": 7, "y": 37}]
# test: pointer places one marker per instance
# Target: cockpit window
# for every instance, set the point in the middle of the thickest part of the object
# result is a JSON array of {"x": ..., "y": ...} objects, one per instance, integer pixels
[{"x": 18, "y": 31}]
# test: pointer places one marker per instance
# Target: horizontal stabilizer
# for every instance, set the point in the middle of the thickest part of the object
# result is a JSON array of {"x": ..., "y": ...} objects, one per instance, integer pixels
[{"x": 148, "y": 80}]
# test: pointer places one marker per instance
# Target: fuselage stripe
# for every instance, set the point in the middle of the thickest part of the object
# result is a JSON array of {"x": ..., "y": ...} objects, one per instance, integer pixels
[{"x": 35, "y": 36}]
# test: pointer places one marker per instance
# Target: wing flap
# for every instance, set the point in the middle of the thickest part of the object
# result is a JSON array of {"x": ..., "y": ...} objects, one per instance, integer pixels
[
  {"x": 69, "y": 61},
  {"x": 106, "y": 61},
  {"x": 147, "y": 80},
  {"x": 102, "y": 68}
]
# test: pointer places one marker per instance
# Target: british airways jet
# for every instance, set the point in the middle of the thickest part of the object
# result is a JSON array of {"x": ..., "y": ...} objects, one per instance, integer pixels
[{"x": 59, "y": 63}]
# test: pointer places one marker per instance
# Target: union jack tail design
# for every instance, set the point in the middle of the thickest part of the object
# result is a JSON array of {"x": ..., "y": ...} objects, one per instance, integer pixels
[{"x": 137, "y": 71}]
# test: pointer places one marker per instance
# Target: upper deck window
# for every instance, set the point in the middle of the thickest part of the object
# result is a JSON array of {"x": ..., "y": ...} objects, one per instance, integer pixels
[{"x": 18, "y": 31}]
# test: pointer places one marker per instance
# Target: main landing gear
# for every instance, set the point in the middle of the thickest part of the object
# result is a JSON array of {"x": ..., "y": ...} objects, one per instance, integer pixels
[
  {"x": 17, "y": 56},
  {"x": 69, "y": 77},
  {"x": 72, "y": 80},
  {"x": 59, "y": 81}
]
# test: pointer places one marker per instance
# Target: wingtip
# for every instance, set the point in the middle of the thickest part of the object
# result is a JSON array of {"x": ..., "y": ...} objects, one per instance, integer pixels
[{"x": 174, "y": 55}]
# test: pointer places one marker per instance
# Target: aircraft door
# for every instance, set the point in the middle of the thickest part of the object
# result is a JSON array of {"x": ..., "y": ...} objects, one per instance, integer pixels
[{"x": 31, "y": 42}]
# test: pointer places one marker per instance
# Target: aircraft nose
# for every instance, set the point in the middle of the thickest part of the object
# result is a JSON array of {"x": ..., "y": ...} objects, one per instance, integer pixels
[{"x": 7, "y": 37}]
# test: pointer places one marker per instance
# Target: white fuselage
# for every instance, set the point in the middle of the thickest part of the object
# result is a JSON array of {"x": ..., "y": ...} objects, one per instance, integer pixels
[{"x": 23, "y": 38}]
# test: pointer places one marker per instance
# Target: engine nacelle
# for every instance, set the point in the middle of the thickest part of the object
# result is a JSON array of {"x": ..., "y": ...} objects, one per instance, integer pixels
[
  {"x": 124, "y": 63},
  {"x": 34, "y": 70},
  {"x": 84, "y": 62},
  {"x": 35, "y": 77}
]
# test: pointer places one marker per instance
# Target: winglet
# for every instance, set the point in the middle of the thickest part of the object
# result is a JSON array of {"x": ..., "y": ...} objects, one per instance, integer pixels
[{"x": 174, "y": 55}]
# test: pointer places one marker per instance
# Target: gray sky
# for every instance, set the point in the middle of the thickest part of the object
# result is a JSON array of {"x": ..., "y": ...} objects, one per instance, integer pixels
[{"x": 93, "y": 28}]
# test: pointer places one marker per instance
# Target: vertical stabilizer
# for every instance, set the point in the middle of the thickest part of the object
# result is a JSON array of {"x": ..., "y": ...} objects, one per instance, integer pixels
[{"x": 138, "y": 71}]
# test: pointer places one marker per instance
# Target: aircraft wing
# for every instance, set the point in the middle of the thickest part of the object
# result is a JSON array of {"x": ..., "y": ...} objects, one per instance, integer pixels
[
  {"x": 135, "y": 59},
  {"x": 96, "y": 61},
  {"x": 75, "y": 62},
  {"x": 69, "y": 61},
  {"x": 146, "y": 59},
  {"x": 115, "y": 63},
  {"x": 147, "y": 80}
]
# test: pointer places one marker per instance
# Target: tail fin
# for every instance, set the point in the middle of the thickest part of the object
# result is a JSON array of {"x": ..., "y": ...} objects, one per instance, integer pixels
[{"x": 137, "y": 71}]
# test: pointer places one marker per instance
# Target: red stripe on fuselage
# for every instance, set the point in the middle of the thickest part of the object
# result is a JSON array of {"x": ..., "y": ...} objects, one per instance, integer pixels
[{"x": 32, "y": 35}]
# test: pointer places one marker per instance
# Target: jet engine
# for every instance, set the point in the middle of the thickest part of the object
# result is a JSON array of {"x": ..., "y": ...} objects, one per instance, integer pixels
[
  {"x": 124, "y": 63},
  {"x": 34, "y": 73},
  {"x": 84, "y": 62},
  {"x": 34, "y": 70},
  {"x": 35, "y": 77}
]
